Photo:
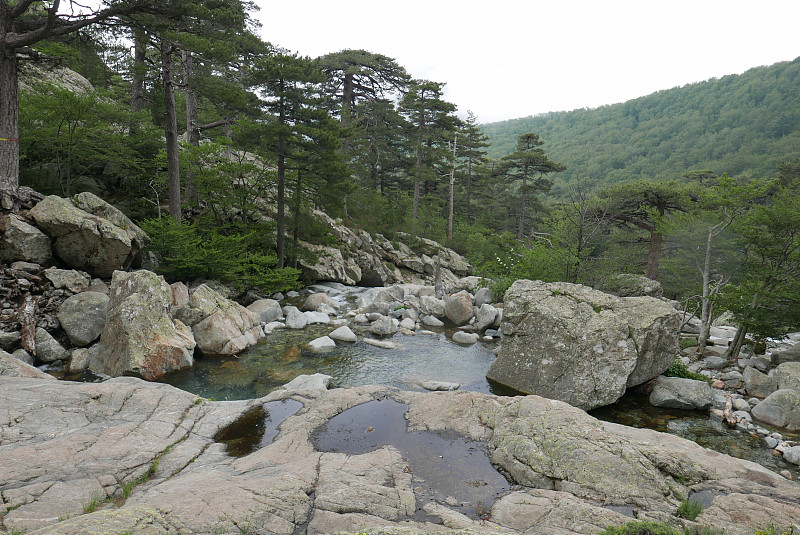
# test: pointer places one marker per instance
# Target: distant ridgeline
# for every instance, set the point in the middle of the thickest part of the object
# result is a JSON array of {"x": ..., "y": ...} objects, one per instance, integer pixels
[{"x": 737, "y": 124}]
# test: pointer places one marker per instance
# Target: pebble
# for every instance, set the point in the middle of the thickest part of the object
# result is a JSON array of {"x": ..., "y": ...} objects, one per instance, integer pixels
[{"x": 771, "y": 442}]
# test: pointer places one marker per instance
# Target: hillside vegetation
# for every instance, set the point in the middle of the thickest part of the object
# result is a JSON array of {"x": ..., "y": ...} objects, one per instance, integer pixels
[{"x": 738, "y": 124}]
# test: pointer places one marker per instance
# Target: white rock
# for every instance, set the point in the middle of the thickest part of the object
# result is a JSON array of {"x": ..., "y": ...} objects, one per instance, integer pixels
[
  {"x": 343, "y": 334},
  {"x": 465, "y": 338},
  {"x": 439, "y": 386},
  {"x": 408, "y": 323},
  {"x": 314, "y": 317},
  {"x": 323, "y": 344},
  {"x": 792, "y": 455},
  {"x": 432, "y": 321},
  {"x": 318, "y": 381},
  {"x": 385, "y": 344}
]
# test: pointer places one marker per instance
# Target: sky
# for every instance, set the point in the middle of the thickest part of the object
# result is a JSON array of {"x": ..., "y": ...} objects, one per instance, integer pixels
[{"x": 505, "y": 59}]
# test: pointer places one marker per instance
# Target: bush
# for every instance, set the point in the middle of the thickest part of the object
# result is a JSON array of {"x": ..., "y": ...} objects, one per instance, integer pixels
[
  {"x": 679, "y": 369},
  {"x": 689, "y": 509}
]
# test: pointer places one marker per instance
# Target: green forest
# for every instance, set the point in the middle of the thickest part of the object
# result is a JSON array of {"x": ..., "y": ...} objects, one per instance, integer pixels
[{"x": 221, "y": 145}]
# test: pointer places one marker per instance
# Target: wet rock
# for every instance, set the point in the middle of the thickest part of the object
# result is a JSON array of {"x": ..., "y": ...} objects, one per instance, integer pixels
[
  {"x": 680, "y": 393},
  {"x": 323, "y": 344},
  {"x": 317, "y": 381},
  {"x": 465, "y": 338},
  {"x": 458, "y": 308},
  {"x": 83, "y": 316},
  {"x": 294, "y": 318},
  {"x": 439, "y": 386},
  {"x": 570, "y": 342},
  {"x": 781, "y": 409},
  {"x": 343, "y": 334},
  {"x": 384, "y": 344},
  {"x": 314, "y": 301}
]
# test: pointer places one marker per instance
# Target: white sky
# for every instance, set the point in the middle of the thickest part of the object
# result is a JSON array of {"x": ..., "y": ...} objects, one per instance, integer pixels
[{"x": 505, "y": 59}]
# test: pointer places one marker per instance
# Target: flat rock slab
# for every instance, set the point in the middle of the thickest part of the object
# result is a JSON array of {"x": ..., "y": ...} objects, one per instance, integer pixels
[{"x": 63, "y": 444}]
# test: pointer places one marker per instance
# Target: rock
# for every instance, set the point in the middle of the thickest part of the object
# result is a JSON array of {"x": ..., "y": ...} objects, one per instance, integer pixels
[
  {"x": 80, "y": 359},
  {"x": 83, "y": 316},
  {"x": 13, "y": 367},
  {"x": 792, "y": 455},
  {"x": 431, "y": 306},
  {"x": 458, "y": 308},
  {"x": 22, "y": 241},
  {"x": 343, "y": 334},
  {"x": 360, "y": 318},
  {"x": 294, "y": 318},
  {"x": 408, "y": 324},
  {"x": 9, "y": 340},
  {"x": 570, "y": 342},
  {"x": 465, "y": 338},
  {"x": 323, "y": 344},
  {"x": 139, "y": 337},
  {"x": 739, "y": 404},
  {"x": 439, "y": 386},
  {"x": 317, "y": 381},
  {"x": 630, "y": 285},
  {"x": 384, "y": 344},
  {"x": 180, "y": 294},
  {"x": 315, "y": 318},
  {"x": 227, "y": 328},
  {"x": 47, "y": 348},
  {"x": 24, "y": 356},
  {"x": 483, "y": 296},
  {"x": 432, "y": 321},
  {"x": 781, "y": 409},
  {"x": 758, "y": 384},
  {"x": 94, "y": 205},
  {"x": 69, "y": 279},
  {"x": 714, "y": 363},
  {"x": 791, "y": 354},
  {"x": 680, "y": 393},
  {"x": 82, "y": 240},
  {"x": 314, "y": 301},
  {"x": 383, "y": 326},
  {"x": 485, "y": 317},
  {"x": 787, "y": 375},
  {"x": 733, "y": 379}
]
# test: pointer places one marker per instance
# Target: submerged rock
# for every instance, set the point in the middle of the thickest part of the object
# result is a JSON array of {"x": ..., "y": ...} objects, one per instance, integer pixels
[
  {"x": 570, "y": 342},
  {"x": 680, "y": 393}
]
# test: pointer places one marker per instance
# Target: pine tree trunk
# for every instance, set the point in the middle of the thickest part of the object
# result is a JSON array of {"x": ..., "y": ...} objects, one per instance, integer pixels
[
  {"x": 171, "y": 131},
  {"x": 523, "y": 202},
  {"x": 9, "y": 130},
  {"x": 192, "y": 121},
  {"x": 279, "y": 220},
  {"x": 296, "y": 229},
  {"x": 654, "y": 255},
  {"x": 139, "y": 70}
]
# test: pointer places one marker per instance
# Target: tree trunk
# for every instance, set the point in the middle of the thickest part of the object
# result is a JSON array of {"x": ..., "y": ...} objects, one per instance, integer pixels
[
  {"x": 171, "y": 131},
  {"x": 654, "y": 254},
  {"x": 523, "y": 202},
  {"x": 450, "y": 199},
  {"x": 705, "y": 311},
  {"x": 280, "y": 238},
  {"x": 469, "y": 189},
  {"x": 139, "y": 70},
  {"x": 192, "y": 121},
  {"x": 347, "y": 100},
  {"x": 9, "y": 130},
  {"x": 296, "y": 229},
  {"x": 736, "y": 344}
]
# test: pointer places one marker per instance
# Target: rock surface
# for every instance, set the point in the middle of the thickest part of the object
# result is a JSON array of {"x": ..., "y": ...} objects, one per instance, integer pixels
[
  {"x": 63, "y": 443},
  {"x": 83, "y": 317},
  {"x": 21, "y": 241},
  {"x": 570, "y": 342},
  {"x": 781, "y": 408},
  {"x": 679, "y": 393}
]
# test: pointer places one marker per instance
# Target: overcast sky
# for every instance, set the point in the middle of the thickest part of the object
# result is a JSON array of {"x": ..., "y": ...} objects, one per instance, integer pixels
[{"x": 505, "y": 59}]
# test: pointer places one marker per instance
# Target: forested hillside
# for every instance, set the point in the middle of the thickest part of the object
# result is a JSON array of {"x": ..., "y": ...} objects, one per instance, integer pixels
[{"x": 738, "y": 124}]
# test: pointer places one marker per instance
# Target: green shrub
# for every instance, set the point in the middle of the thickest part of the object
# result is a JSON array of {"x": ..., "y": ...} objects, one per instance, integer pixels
[
  {"x": 679, "y": 369},
  {"x": 689, "y": 509},
  {"x": 641, "y": 527}
]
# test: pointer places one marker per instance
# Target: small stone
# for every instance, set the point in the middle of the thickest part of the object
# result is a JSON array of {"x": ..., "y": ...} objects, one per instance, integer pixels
[
  {"x": 385, "y": 344},
  {"x": 741, "y": 405},
  {"x": 439, "y": 386},
  {"x": 787, "y": 474},
  {"x": 465, "y": 338},
  {"x": 718, "y": 384},
  {"x": 408, "y": 323},
  {"x": 431, "y": 321},
  {"x": 771, "y": 442}
]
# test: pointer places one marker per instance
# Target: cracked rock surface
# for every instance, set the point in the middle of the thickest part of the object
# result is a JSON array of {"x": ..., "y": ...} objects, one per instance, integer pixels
[{"x": 144, "y": 456}]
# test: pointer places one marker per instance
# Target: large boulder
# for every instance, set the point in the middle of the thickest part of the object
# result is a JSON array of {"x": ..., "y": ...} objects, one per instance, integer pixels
[
  {"x": 21, "y": 241},
  {"x": 781, "y": 408},
  {"x": 11, "y": 366},
  {"x": 787, "y": 375},
  {"x": 139, "y": 337},
  {"x": 458, "y": 308},
  {"x": 83, "y": 240},
  {"x": 267, "y": 310},
  {"x": 631, "y": 285},
  {"x": 83, "y": 316},
  {"x": 227, "y": 327},
  {"x": 680, "y": 393},
  {"x": 570, "y": 342},
  {"x": 791, "y": 354},
  {"x": 758, "y": 384}
]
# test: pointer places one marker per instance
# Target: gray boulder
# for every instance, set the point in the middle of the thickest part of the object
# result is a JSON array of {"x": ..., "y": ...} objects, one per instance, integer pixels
[
  {"x": 758, "y": 384},
  {"x": 227, "y": 328},
  {"x": 787, "y": 375},
  {"x": 94, "y": 205},
  {"x": 139, "y": 337},
  {"x": 432, "y": 321},
  {"x": 316, "y": 317},
  {"x": 22, "y": 241},
  {"x": 82, "y": 240},
  {"x": 792, "y": 455},
  {"x": 630, "y": 285},
  {"x": 570, "y": 342},
  {"x": 485, "y": 317},
  {"x": 680, "y": 393},
  {"x": 9, "y": 340},
  {"x": 314, "y": 301},
  {"x": 267, "y": 310},
  {"x": 294, "y": 318},
  {"x": 781, "y": 409},
  {"x": 83, "y": 316},
  {"x": 465, "y": 338},
  {"x": 47, "y": 348},
  {"x": 323, "y": 344},
  {"x": 458, "y": 308},
  {"x": 791, "y": 354},
  {"x": 431, "y": 306},
  {"x": 68, "y": 279},
  {"x": 483, "y": 296},
  {"x": 343, "y": 334},
  {"x": 13, "y": 367},
  {"x": 383, "y": 326}
]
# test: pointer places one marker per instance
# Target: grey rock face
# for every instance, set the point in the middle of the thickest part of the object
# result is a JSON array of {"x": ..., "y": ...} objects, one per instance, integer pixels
[
  {"x": 781, "y": 408},
  {"x": 679, "y": 393},
  {"x": 788, "y": 355},
  {"x": 228, "y": 327},
  {"x": 570, "y": 342},
  {"x": 630, "y": 285},
  {"x": 83, "y": 316},
  {"x": 787, "y": 375},
  {"x": 22, "y": 241}
]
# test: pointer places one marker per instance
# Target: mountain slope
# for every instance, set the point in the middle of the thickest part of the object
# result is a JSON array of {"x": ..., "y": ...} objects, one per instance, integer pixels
[{"x": 737, "y": 124}]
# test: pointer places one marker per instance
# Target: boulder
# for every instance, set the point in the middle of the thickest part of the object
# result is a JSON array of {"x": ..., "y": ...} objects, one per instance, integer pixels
[
  {"x": 485, "y": 317},
  {"x": 13, "y": 367},
  {"x": 317, "y": 318},
  {"x": 432, "y": 321},
  {"x": 343, "y": 334},
  {"x": 483, "y": 296},
  {"x": 465, "y": 338},
  {"x": 792, "y": 455},
  {"x": 787, "y": 375},
  {"x": 758, "y": 384},
  {"x": 22, "y": 241},
  {"x": 781, "y": 409},
  {"x": 383, "y": 326},
  {"x": 314, "y": 301},
  {"x": 570, "y": 342},
  {"x": 83, "y": 316},
  {"x": 458, "y": 308},
  {"x": 791, "y": 354},
  {"x": 180, "y": 294},
  {"x": 9, "y": 340},
  {"x": 68, "y": 279},
  {"x": 267, "y": 310},
  {"x": 714, "y": 363},
  {"x": 47, "y": 348},
  {"x": 294, "y": 318},
  {"x": 323, "y": 344},
  {"x": 432, "y": 306},
  {"x": 94, "y": 205},
  {"x": 227, "y": 328},
  {"x": 82, "y": 240},
  {"x": 680, "y": 393},
  {"x": 631, "y": 285},
  {"x": 139, "y": 337}
]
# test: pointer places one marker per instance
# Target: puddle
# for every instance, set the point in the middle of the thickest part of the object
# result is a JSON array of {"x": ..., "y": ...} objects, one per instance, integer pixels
[
  {"x": 704, "y": 497},
  {"x": 257, "y": 427},
  {"x": 445, "y": 465}
]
